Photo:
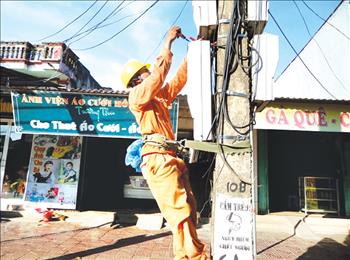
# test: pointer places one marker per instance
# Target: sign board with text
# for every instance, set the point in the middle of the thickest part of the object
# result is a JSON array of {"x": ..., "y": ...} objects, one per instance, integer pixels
[
  {"x": 233, "y": 232},
  {"x": 304, "y": 117},
  {"x": 77, "y": 114}
]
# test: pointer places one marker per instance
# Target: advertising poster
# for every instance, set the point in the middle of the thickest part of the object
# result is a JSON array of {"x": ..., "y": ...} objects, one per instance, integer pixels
[
  {"x": 53, "y": 172},
  {"x": 233, "y": 228}
]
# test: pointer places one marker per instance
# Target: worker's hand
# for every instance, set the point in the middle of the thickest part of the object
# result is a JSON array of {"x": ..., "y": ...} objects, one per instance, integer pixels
[{"x": 174, "y": 32}]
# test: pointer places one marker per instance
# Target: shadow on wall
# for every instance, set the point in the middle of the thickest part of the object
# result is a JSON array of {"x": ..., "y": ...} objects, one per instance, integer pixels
[{"x": 328, "y": 249}]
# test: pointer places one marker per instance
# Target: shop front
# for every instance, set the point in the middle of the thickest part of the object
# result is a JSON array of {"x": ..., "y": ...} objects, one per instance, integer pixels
[
  {"x": 14, "y": 153},
  {"x": 67, "y": 150},
  {"x": 303, "y": 157}
]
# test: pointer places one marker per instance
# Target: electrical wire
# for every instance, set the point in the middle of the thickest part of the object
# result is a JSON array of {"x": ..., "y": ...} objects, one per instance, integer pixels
[
  {"x": 99, "y": 25},
  {"x": 308, "y": 69},
  {"x": 230, "y": 66},
  {"x": 114, "y": 35},
  {"x": 116, "y": 21},
  {"x": 75, "y": 19},
  {"x": 161, "y": 40},
  {"x": 319, "y": 47},
  {"x": 98, "y": 11},
  {"x": 326, "y": 20},
  {"x": 260, "y": 63},
  {"x": 93, "y": 28},
  {"x": 217, "y": 121}
]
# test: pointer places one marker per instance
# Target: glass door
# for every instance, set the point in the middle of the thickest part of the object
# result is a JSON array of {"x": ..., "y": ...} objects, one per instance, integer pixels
[
  {"x": 5, "y": 130},
  {"x": 15, "y": 152}
]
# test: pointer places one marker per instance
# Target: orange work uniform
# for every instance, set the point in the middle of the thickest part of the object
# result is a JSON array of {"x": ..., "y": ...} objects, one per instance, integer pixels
[{"x": 166, "y": 174}]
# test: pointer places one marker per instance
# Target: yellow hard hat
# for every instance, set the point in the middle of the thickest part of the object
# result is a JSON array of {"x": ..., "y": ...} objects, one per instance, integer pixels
[{"x": 130, "y": 69}]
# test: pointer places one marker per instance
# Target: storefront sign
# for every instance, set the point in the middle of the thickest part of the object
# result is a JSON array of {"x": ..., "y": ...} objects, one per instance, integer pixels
[
  {"x": 233, "y": 228},
  {"x": 53, "y": 173},
  {"x": 304, "y": 117},
  {"x": 77, "y": 114}
]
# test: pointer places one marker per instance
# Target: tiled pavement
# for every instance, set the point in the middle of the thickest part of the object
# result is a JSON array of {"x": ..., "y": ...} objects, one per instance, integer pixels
[
  {"x": 286, "y": 246},
  {"x": 91, "y": 236},
  {"x": 59, "y": 240}
]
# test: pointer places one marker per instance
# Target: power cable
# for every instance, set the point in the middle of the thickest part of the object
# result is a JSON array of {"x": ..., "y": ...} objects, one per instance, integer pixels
[
  {"x": 75, "y": 19},
  {"x": 98, "y": 11},
  {"x": 116, "y": 21},
  {"x": 325, "y": 20},
  {"x": 99, "y": 26},
  {"x": 114, "y": 35},
  {"x": 161, "y": 40},
  {"x": 230, "y": 66},
  {"x": 324, "y": 56},
  {"x": 93, "y": 28},
  {"x": 308, "y": 69}
]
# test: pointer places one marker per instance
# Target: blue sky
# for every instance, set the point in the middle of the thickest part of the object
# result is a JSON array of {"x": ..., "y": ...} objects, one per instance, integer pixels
[{"x": 33, "y": 20}]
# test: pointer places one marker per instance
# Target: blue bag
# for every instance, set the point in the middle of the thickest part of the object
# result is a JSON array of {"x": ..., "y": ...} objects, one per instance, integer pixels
[{"x": 133, "y": 155}]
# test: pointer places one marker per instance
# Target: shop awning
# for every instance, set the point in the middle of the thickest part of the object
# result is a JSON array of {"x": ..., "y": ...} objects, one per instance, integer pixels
[{"x": 327, "y": 59}]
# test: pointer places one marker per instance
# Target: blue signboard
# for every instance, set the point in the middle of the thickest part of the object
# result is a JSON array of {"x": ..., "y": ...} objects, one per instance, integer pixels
[{"x": 64, "y": 113}]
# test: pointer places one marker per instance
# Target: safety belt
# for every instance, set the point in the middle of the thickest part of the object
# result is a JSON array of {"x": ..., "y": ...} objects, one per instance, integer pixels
[{"x": 237, "y": 147}]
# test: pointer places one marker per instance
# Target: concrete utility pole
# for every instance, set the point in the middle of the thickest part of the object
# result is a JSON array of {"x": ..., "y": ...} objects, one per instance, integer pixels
[{"x": 233, "y": 222}]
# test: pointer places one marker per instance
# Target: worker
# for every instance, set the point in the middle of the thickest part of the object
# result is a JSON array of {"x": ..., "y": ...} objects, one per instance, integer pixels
[{"x": 166, "y": 174}]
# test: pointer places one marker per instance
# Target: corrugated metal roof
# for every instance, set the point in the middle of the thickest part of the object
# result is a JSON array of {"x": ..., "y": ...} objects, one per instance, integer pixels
[
  {"x": 310, "y": 100},
  {"x": 100, "y": 91},
  {"x": 327, "y": 55},
  {"x": 15, "y": 80}
]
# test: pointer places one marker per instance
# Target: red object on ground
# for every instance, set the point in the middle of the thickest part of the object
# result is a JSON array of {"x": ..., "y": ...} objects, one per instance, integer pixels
[{"x": 47, "y": 215}]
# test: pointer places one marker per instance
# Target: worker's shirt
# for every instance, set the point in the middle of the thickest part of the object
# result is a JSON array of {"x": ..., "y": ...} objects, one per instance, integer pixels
[{"x": 150, "y": 100}]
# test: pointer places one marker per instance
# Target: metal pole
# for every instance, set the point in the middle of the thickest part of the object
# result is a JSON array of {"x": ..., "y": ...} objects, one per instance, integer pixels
[{"x": 305, "y": 195}]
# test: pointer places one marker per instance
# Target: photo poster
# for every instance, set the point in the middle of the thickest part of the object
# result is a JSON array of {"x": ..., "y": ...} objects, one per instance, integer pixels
[{"x": 53, "y": 173}]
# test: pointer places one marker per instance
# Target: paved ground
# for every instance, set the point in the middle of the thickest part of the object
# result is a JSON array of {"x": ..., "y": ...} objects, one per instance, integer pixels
[{"x": 89, "y": 235}]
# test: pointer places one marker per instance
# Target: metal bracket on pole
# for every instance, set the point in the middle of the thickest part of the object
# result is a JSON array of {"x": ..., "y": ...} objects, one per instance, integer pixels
[
  {"x": 236, "y": 94},
  {"x": 234, "y": 138},
  {"x": 222, "y": 36},
  {"x": 225, "y": 21}
]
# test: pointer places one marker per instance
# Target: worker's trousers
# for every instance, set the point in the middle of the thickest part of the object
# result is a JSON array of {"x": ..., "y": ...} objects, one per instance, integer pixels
[{"x": 167, "y": 177}]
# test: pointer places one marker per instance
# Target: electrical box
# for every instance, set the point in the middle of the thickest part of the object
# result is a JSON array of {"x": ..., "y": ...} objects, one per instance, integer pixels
[
  {"x": 257, "y": 15},
  {"x": 198, "y": 88},
  {"x": 264, "y": 63},
  {"x": 204, "y": 13},
  {"x": 205, "y": 18}
]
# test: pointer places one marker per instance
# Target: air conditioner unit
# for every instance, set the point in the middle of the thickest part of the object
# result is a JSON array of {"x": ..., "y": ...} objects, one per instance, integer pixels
[
  {"x": 257, "y": 15},
  {"x": 198, "y": 88},
  {"x": 264, "y": 62}
]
